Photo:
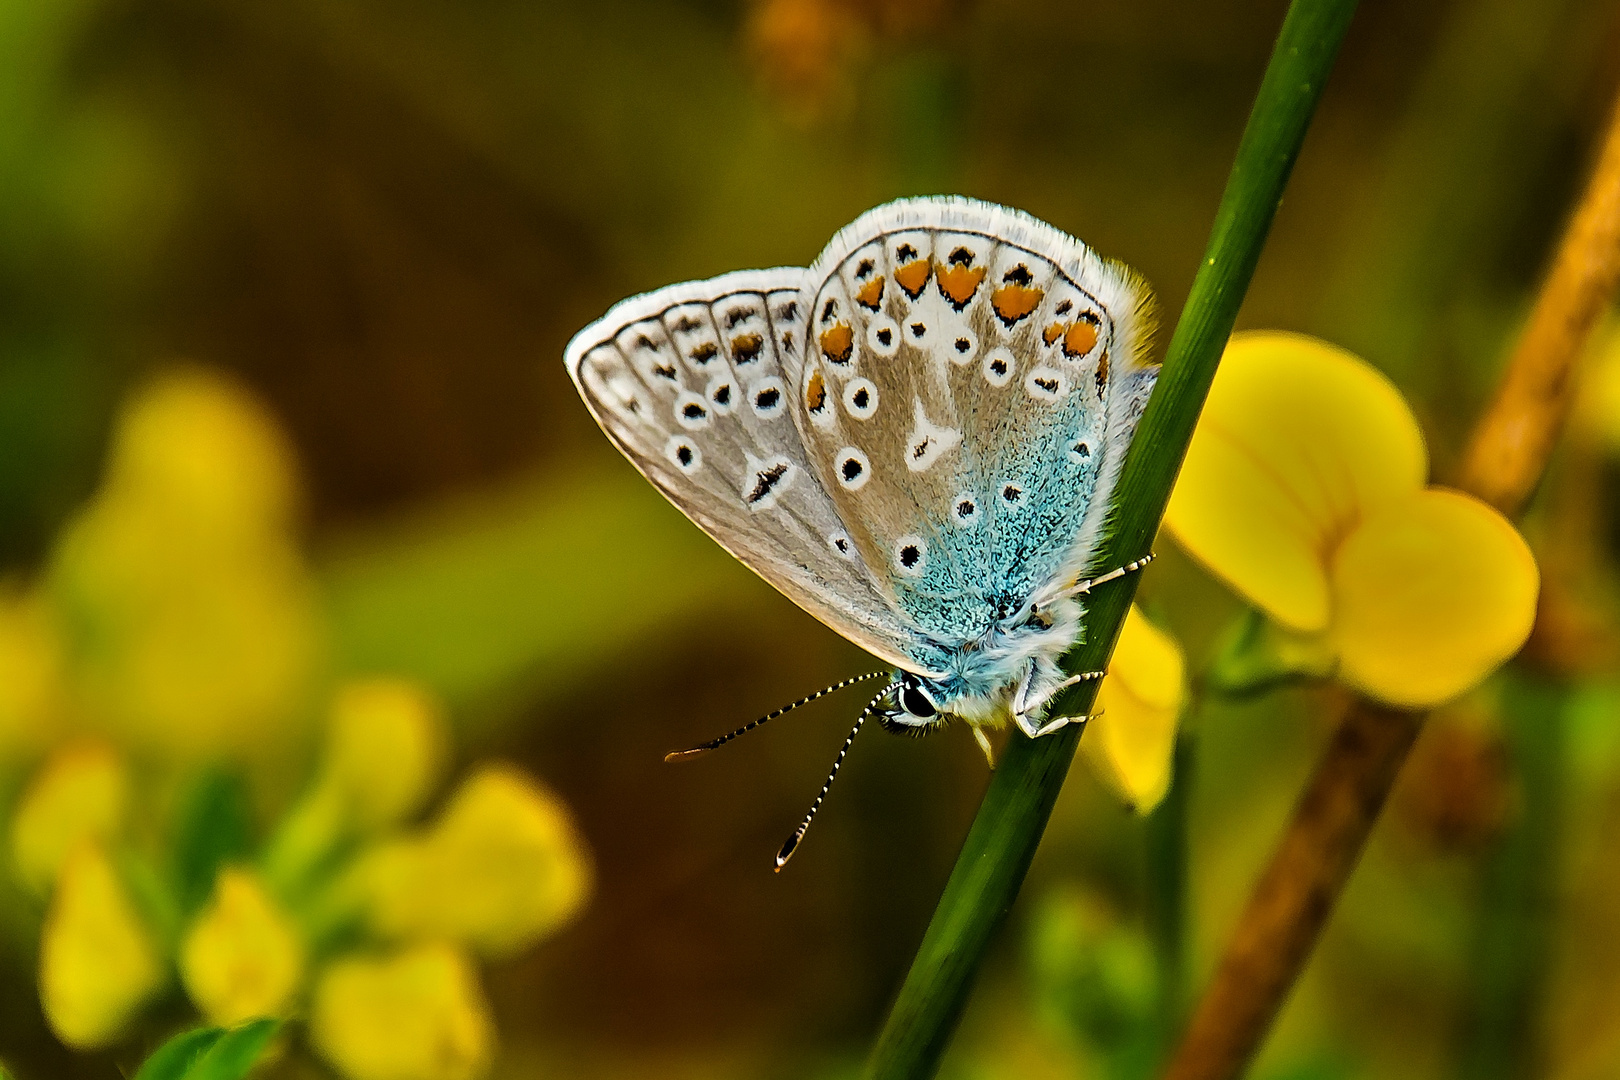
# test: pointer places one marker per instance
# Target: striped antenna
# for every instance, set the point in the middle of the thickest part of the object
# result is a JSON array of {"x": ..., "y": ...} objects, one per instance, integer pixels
[
  {"x": 798, "y": 834},
  {"x": 678, "y": 755}
]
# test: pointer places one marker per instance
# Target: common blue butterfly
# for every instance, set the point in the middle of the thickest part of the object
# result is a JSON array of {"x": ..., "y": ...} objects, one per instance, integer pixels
[{"x": 915, "y": 440}]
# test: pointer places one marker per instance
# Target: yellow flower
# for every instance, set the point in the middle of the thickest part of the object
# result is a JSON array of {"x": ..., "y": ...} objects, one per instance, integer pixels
[
  {"x": 384, "y": 749},
  {"x": 1130, "y": 742},
  {"x": 242, "y": 958},
  {"x": 1596, "y": 415},
  {"x": 416, "y": 1015},
  {"x": 193, "y": 611},
  {"x": 502, "y": 867},
  {"x": 80, "y": 794},
  {"x": 199, "y": 448},
  {"x": 1304, "y": 490},
  {"x": 97, "y": 961},
  {"x": 30, "y": 670}
]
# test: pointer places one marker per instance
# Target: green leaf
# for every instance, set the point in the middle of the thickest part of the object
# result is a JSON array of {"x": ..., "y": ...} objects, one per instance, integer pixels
[
  {"x": 1256, "y": 656},
  {"x": 210, "y": 1053},
  {"x": 174, "y": 1059}
]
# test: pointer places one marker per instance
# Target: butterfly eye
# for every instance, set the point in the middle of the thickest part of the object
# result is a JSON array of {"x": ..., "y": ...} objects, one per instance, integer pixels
[
  {"x": 854, "y": 468},
  {"x": 963, "y": 346},
  {"x": 882, "y": 335},
  {"x": 684, "y": 454},
  {"x": 916, "y": 702},
  {"x": 860, "y": 398},
  {"x": 721, "y": 394},
  {"x": 691, "y": 411},
  {"x": 842, "y": 545},
  {"x": 910, "y": 556},
  {"x": 999, "y": 367},
  {"x": 766, "y": 397}
]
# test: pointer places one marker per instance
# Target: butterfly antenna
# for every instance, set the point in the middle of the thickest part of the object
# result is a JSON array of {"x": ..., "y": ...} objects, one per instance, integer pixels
[
  {"x": 798, "y": 834},
  {"x": 677, "y": 755}
]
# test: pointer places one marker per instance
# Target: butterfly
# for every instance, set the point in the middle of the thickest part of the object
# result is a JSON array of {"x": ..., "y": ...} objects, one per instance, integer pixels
[{"x": 916, "y": 440}]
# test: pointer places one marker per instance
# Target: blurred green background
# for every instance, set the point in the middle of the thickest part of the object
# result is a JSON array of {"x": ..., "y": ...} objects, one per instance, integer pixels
[{"x": 387, "y": 220}]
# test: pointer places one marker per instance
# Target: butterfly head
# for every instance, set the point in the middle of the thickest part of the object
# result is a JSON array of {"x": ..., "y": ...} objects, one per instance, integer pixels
[{"x": 909, "y": 705}]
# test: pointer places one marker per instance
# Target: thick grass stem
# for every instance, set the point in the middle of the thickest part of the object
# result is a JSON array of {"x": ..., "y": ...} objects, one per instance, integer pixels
[{"x": 1002, "y": 841}]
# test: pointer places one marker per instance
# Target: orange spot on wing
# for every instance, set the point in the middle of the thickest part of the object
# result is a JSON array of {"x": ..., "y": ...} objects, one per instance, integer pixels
[
  {"x": 1080, "y": 339},
  {"x": 871, "y": 294},
  {"x": 746, "y": 347},
  {"x": 837, "y": 343},
  {"x": 959, "y": 282},
  {"x": 1053, "y": 332},
  {"x": 1013, "y": 302},
  {"x": 815, "y": 392},
  {"x": 912, "y": 277}
]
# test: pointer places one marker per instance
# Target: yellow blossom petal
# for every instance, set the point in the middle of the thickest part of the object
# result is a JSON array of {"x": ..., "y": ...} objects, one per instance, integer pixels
[
  {"x": 97, "y": 961},
  {"x": 501, "y": 868},
  {"x": 79, "y": 795},
  {"x": 1298, "y": 439},
  {"x": 1596, "y": 415},
  {"x": 242, "y": 958},
  {"x": 30, "y": 670},
  {"x": 196, "y": 441},
  {"x": 192, "y": 608},
  {"x": 1129, "y": 744},
  {"x": 384, "y": 749},
  {"x": 417, "y": 1015},
  {"x": 1433, "y": 593}
]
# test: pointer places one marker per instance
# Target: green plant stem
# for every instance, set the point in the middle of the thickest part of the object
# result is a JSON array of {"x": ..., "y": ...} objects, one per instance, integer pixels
[
  {"x": 1002, "y": 841},
  {"x": 1167, "y": 890},
  {"x": 1509, "y": 953}
]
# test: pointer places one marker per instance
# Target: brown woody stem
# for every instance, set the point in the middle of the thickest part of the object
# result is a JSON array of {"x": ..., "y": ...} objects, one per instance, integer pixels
[
  {"x": 1515, "y": 437},
  {"x": 1323, "y": 841}
]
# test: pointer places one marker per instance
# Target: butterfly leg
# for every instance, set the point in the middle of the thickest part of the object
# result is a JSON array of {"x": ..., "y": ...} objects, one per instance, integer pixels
[
  {"x": 1082, "y": 587},
  {"x": 1035, "y": 729},
  {"x": 984, "y": 744},
  {"x": 1025, "y": 700}
]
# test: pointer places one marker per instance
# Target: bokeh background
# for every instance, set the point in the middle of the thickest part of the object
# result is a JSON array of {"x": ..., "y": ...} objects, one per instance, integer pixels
[{"x": 383, "y": 222}]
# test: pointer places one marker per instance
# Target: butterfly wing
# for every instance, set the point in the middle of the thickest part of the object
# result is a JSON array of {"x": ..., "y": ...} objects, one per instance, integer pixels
[
  {"x": 973, "y": 381},
  {"x": 692, "y": 384}
]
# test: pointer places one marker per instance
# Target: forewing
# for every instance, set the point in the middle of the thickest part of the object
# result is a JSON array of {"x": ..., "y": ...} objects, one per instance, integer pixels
[
  {"x": 973, "y": 380},
  {"x": 692, "y": 383}
]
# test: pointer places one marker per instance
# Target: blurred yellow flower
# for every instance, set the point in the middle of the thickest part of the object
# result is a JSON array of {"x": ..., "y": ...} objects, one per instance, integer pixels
[
  {"x": 192, "y": 608},
  {"x": 97, "y": 961},
  {"x": 199, "y": 449},
  {"x": 243, "y": 957},
  {"x": 416, "y": 1015},
  {"x": 1304, "y": 490},
  {"x": 384, "y": 749},
  {"x": 502, "y": 867},
  {"x": 1130, "y": 742},
  {"x": 79, "y": 794},
  {"x": 1596, "y": 414},
  {"x": 30, "y": 670}
]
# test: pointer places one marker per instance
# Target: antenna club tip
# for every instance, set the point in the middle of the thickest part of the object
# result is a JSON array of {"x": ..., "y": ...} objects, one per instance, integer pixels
[
  {"x": 682, "y": 755},
  {"x": 787, "y": 850}
]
